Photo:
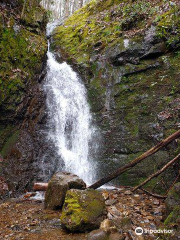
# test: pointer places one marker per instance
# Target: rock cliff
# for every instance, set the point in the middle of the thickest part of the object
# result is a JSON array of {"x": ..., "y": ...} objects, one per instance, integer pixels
[
  {"x": 127, "y": 53},
  {"x": 23, "y": 49}
]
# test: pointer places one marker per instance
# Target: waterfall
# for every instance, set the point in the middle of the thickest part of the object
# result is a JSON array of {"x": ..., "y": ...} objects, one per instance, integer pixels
[
  {"x": 69, "y": 125},
  {"x": 72, "y": 137}
]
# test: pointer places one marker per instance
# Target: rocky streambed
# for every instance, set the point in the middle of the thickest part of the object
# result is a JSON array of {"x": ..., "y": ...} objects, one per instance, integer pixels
[{"x": 25, "y": 218}]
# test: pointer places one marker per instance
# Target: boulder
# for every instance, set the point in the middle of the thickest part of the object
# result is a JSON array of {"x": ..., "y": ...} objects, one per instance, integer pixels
[
  {"x": 101, "y": 234},
  {"x": 59, "y": 184},
  {"x": 173, "y": 198},
  {"x": 122, "y": 223},
  {"x": 108, "y": 226},
  {"x": 116, "y": 236},
  {"x": 83, "y": 210},
  {"x": 98, "y": 234}
]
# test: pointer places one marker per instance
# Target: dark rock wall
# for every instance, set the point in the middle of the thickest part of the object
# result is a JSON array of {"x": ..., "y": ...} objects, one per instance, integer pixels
[{"x": 23, "y": 47}]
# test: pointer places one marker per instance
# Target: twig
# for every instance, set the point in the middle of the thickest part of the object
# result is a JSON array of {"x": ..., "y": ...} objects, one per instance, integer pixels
[
  {"x": 134, "y": 162},
  {"x": 154, "y": 194},
  {"x": 158, "y": 172},
  {"x": 173, "y": 183}
]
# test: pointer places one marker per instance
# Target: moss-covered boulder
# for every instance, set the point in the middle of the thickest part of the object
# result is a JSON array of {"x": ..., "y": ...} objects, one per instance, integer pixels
[
  {"x": 83, "y": 210},
  {"x": 173, "y": 199},
  {"x": 59, "y": 184}
]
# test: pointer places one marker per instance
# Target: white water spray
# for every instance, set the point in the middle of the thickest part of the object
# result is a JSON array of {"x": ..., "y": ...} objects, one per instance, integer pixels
[{"x": 70, "y": 127}]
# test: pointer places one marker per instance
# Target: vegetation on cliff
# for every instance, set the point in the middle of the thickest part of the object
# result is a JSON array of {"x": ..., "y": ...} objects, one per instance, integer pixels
[
  {"x": 128, "y": 54},
  {"x": 22, "y": 50},
  {"x": 101, "y": 24}
]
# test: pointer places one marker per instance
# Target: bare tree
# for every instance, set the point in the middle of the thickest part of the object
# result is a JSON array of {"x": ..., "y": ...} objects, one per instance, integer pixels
[{"x": 63, "y": 8}]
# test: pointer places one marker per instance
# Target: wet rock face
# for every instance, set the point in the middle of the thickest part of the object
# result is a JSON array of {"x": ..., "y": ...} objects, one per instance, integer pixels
[
  {"x": 174, "y": 217},
  {"x": 173, "y": 199},
  {"x": 82, "y": 210},
  {"x": 132, "y": 80},
  {"x": 59, "y": 184},
  {"x": 173, "y": 221},
  {"x": 130, "y": 102},
  {"x": 22, "y": 104}
]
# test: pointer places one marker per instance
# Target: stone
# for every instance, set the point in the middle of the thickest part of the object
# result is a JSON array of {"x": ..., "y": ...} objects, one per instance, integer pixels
[
  {"x": 150, "y": 35},
  {"x": 173, "y": 198},
  {"x": 108, "y": 226},
  {"x": 103, "y": 235},
  {"x": 83, "y": 210},
  {"x": 128, "y": 192},
  {"x": 155, "y": 50},
  {"x": 116, "y": 236},
  {"x": 98, "y": 235},
  {"x": 113, "y": 211},
  {"x": 122, "y": 223},
  {"x": 59, "y": 184},
  {"x": 111, "y": 202}
]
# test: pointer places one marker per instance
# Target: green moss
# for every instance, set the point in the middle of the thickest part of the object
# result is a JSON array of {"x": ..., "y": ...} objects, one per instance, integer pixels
[
  {"x": 22, "y": 50},
  {"x": 174, "y": 218},
  {"x": 174, "y": 194},
  {"x": 80, "y": 207},
  {"x": 9, "y": 144},
  {"x": 105, "y": 21},
  {"x": 21, "y": 56},
  {"x": 168, "y": 26},
  {"x": 6, "y": 132}
]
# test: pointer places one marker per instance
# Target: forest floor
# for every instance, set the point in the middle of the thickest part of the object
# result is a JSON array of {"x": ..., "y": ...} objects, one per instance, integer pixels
[{"x": 25, "y": 218}]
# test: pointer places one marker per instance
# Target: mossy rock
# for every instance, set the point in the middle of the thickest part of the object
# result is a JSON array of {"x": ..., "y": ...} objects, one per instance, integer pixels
[
  {"x": 83, "y": 210},
  {"x": 59, "y": 184},
  {"x": 173, "y": 222},
  {"x": 174, "y": 218},
  {"x": 173, "y": 198},
  {"x": 9, "y": 144},
  {"x": 22, "y": 53}
]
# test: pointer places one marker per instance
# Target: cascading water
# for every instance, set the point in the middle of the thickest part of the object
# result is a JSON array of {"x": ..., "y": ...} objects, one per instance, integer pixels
[{"x": 69, "y": 126}]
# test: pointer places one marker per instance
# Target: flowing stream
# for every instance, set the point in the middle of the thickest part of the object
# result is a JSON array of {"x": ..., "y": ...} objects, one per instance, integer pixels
[{"x": 69, "y": 126}]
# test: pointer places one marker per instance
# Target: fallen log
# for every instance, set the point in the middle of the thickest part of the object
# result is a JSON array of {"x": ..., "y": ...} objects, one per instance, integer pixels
[
  {"x": 40, "y": 186},
  {"x": 134, "y": 162},
  {"x": 158, "y": 172}
]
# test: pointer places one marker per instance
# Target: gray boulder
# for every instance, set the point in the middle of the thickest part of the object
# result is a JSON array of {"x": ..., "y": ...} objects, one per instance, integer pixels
[
  {"x": 104, "y": 235},
  {"x": 98, "y": 234},
  {"x": 59, "y": 184},
  {"x": 83, "y": 210}
]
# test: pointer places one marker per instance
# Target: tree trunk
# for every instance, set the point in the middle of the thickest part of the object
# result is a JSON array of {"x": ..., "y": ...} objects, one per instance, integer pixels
[
  {"x": 40, "y": 186},
  {"x": 136, "y": 161}
]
